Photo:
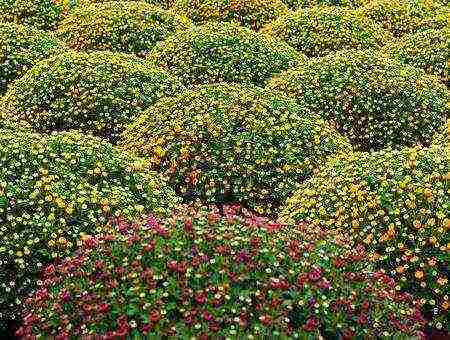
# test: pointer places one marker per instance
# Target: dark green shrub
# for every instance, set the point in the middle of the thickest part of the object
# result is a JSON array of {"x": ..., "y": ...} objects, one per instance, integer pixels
[
  {"x": 233, "y": 143},
  {"x": 318, "y": 31},
  {"x": 52, "y": 189},
  {"x": 20, "y": 48},
  {"x": 428, "y": 49},
  {"x": 43, "y": 14},
  {"x": 204, "y": 276},
  {"x": 397, "y": 202},
  {"x": 123, "y": 26},
  {"x": 375, "y": 101},
  {"x": 223, "y": 52},
  {"x": 251, "y": 13},
  {"x": 98, "y": 92},
  {"x": 401, "y": 17}
]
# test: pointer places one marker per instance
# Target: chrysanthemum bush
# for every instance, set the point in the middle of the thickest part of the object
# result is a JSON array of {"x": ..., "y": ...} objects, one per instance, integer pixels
[
  {"x": 43, "y": 14},
  {"x": 97, "y": 92},
  {"x": 161, "y": 3},
  {"x": 401, "y": 17},
  {"x": 296, "y": 4},
  {"x": 428, "y": 49},
  {"x": 54, "y": 187},
  {"x": 442, "y": 137},
  {"x": 200, "y": 274},
  {"x": 20, "y": 48},
  {"x": 397, "y": 203},
  {"x": 124, "y": 26},
  {"x": 320, "y": 30},
  {"x": 375, "y": 101},
  {"x": 228, "y": 142},
  {"x": 251, "y": 13},
  {"x": 223, "y": 51}
]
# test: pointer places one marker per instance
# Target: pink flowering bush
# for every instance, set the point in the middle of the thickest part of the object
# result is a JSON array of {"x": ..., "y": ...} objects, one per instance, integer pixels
[{"x": 200, "y": 273}]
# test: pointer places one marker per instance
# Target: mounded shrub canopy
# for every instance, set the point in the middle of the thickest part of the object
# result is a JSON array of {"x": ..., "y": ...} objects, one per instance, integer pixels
[
  {"x": 401, "y": 17},
  {"x": 233, "y": 143},
  {"x": 397, "y": 202},
  {"x": 43, "y": 14},
  {"x": 375, "y": 101},
  {"x": 320, "y": 30},
  {"x": 429, "y": 50},
  {"x": 126, "y": 26},
  {"x": 442, "y": 137},
  {"x": 52, "y": 189},
  {"x": 20, "y": 48},
  {"x": 251, "y": 13},
  {"x": 218, "y": 52},
  {"x": 98, "y": 92},
  {"x": 296, "y": 4},
  {"x": 207, "y": 276}
]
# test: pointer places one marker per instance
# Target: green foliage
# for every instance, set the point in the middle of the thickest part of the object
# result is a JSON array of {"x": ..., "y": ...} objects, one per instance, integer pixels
[
  {"x": 442, "y": 137},
  {"x": 401, "y": 17},
  {"x": 123, "y": 26},
  {"x": 375, "y": 101},
  {"x": 318, "y": 31},
  {"x": 218, "y": 52},
  {"x": 20, "y": 48},
  {"x": 397, "y": 202},
  {"x": 428, "y": 49},
  {"x": 206, "y": 276},
  {"x": 233, "y": 143},
  {"x": 43, "y": 14},
  {"x": 98, "y": 92},
  {"x": 251, "y": 13},
  {"x": 296, "y": 4},
  {"x": 52, "y": 189}
]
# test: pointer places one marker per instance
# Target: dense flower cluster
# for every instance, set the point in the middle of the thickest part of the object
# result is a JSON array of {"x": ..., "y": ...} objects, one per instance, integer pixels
[
  {"x": 317, "y": 31},
  {"x": 400, "y": 16},
  {"x": 52, "y": 188},
  {"x": 98, "y": 92},
  {"x": 442, "y": 137},
  {"x": 233, "y": 143},
  {"x": 20, "y": 48},
  {"x": 375, "y": 101},
  {"x": 123, "y": 26},
  {"x": 43, "y": 14},
  {"x": 428, "y": 49},
  {"x": 161, "y": 3},
  {"x": 218, "y": 52},
  {"x": 396, "y": 202},
  {"x": 251, "y": 13},
  {"x": 296, "y": 4},
  {"x": 200, "y": 274}
]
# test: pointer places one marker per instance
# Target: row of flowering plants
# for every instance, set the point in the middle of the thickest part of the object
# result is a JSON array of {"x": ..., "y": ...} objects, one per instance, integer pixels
[{"x": 205, "y": 274}]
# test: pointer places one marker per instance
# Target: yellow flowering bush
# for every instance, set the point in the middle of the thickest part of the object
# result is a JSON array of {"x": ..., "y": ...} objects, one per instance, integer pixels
[
  {"x": 397, "y": 202},
  {"x": 320, "y": 30},
  {"x": 400, "y": 16},
  {"x": 442, "y": 137},
  {"x": 251, "y": 13},
  {"x": 54, "y": 188},
  {"x": 218, "y": 52},
  {"x": 226, "y": 142},
  {"x": 98, "y": 92},
  {"x": 43, "y": 14},
  {"x": 124, "y": 26},
  {"x": 20, "y": 48},
  {"x": 296, "y": 4},
  {"x": 373, "y": 100},
  {"x": 162, "y": 3},
  {"x": 428, "y": 49}
]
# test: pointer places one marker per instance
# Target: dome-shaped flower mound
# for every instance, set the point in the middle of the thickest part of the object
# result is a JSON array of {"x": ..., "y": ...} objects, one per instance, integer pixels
[
  {"x": 429, "y": 50},
  {"x": 233, "y": 143},
  {"x": 251, "y": 13},
  {"x": 397, "y": 202},
  {"x": 320, "y": 30},
  {"x": 54, "y": 187},
  {"x": 227, "y": 52},
  {"x": 375, "y": 101},
  {"x": 401, "y": 17},
  {"x": 123, "y": 26},
  {"x": 20, "y": 48},
  {"x": 161, "y": 3},
  {"x": 205, "y": 276},
  {"x": 43, "y": 14},
  {"x": 296, "y": 4},
  {"x": 97, "y": 92}
]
